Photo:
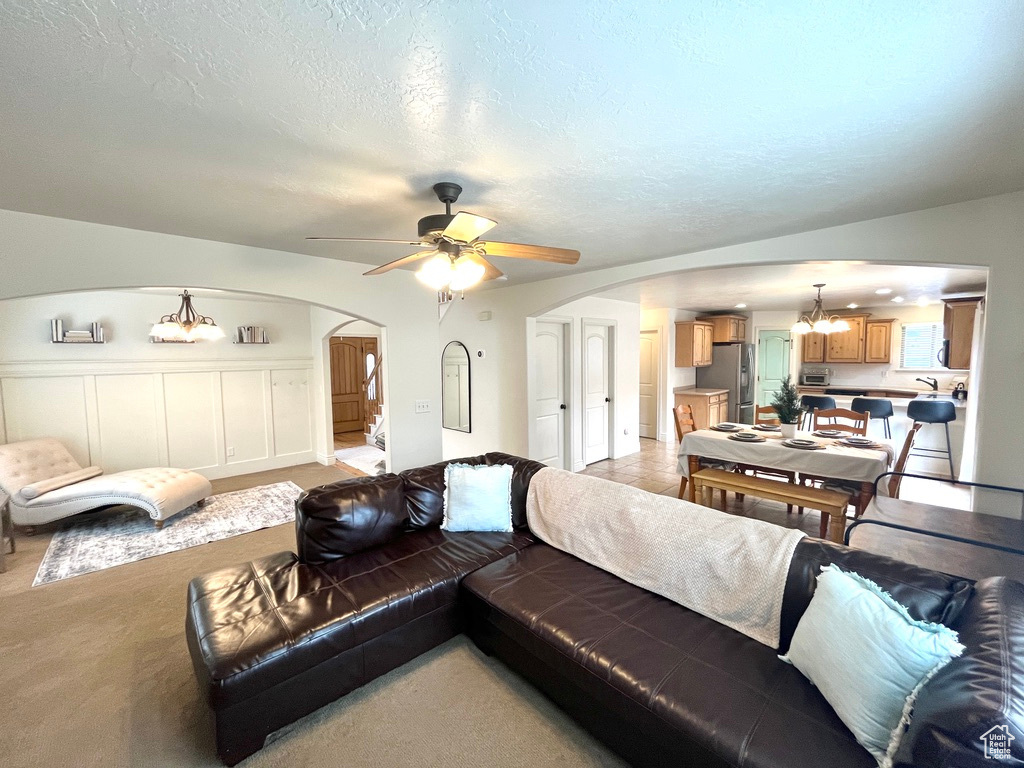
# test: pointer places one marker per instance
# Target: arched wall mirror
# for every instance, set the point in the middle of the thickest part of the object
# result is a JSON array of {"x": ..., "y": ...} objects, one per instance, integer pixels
[{"x": 455, "y": 387}]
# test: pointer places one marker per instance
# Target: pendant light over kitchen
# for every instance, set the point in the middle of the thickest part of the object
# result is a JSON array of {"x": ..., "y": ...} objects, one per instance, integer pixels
[{"x": 819, "y": 321}]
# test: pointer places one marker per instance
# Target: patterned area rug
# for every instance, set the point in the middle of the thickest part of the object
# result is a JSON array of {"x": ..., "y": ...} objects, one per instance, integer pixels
[
  {"x": 365, "y": 458},
  {"x": 127, "y": 535}
]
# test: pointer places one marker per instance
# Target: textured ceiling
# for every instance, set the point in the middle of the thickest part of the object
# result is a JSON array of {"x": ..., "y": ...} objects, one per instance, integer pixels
[
  {"x": 630, "y": 131},
  {"x": 790, "y": 286}
]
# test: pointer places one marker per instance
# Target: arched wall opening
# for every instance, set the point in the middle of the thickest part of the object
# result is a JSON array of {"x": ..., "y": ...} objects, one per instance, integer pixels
[
  {"x": 222, "y": 407},
  {"x": 50, "y": 256},
  {"x": 984, "y": 233}
]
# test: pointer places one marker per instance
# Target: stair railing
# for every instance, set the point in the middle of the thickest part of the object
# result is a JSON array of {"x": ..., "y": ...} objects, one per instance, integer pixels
[{"x": 373, "y": 395}]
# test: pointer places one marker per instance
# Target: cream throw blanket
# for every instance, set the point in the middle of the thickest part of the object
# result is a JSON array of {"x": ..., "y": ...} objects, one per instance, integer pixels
[{"x": 728, "y": 568}]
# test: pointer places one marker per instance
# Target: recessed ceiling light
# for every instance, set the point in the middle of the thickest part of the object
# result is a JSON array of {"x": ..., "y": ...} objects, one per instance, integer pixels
[
  {"x": 741, "y": 306},
  {"x": 883, "y": 291},
  {"x": 924, "y": 301},
  {"x": 897, "y": 299},
  {"x": 851, "y": 306}
]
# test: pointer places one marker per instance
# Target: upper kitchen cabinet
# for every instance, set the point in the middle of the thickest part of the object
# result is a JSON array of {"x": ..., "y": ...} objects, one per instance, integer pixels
[
  {"x": 847, "y": 346},
  {"x": 877, "y": 341},
  {"x": 958, "y": 332},
  {"x": 814, "y": 348},
  {"x": 693, "y": 344},
  {"x": 727, "y": 328}
]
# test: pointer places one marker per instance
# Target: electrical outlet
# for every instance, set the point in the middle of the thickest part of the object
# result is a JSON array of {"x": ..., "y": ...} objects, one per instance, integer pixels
[
  {"x": 422, "y": 406},
  {"x": 231, "y": 452}
]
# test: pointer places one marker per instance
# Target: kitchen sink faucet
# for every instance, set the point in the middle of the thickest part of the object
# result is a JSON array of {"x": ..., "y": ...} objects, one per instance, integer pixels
[{"x": 931, "y": 382}]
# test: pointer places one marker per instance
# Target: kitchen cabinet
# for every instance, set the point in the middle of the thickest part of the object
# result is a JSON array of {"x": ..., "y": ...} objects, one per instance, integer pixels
[
  {"x": 847, "y": 346},
  {"x": 728, "y": 329},
  {"x": 709, "y": 406},
  {"x": 958, "y": 332},
  {"x": 814, "y": 348},
  {"x": 693, "y": 344},
  {"x": 877, "y": 341}
]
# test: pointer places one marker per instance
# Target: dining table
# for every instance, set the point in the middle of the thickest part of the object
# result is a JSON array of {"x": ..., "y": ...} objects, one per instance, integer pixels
[{"x": 831, "y": 459}]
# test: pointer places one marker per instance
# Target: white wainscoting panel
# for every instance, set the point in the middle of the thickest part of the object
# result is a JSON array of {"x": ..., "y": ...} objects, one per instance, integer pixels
[
  {"x": 127, "y": 433},
  {"x": 290, "y": 403},
  {"x": 131, "y": 414},
  {"x": 189, "y": 401},
  {"x": 245, "y": 416},
  {"x": 48, "y": 406}
]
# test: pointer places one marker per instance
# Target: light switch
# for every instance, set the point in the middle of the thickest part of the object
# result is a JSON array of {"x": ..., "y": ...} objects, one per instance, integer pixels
[{"x": 422, "y": 406}]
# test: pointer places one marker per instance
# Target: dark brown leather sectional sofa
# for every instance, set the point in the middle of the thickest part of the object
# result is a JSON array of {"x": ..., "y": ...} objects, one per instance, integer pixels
[{"x": 376, "y": 583}]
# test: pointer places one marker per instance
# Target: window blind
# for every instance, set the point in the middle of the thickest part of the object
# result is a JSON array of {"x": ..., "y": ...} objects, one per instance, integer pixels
[{"x": 920, "y": 344}]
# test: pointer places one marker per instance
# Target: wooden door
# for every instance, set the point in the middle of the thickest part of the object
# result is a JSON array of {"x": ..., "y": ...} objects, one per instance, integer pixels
[
  {"x": 347, "y": 374},
  {"x": 596, "y": 392},
  {"x": 549, "y": 395}
]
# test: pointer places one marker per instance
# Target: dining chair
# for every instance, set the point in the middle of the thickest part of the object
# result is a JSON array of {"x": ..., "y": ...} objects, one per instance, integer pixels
[
  {"x": 859, "y": 425},
  {"x": 682, "y": 416},
  {"x": 765, "y": 414},
  {"x": 896, "y": 478}
]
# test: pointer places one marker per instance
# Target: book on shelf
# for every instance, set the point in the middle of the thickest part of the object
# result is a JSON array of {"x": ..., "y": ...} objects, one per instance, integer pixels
[{"x": 251, "y": 334}]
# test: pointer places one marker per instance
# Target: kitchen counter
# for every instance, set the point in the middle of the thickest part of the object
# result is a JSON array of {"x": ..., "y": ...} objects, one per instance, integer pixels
[
  {"x": 899, "y": 397},
  {"x": 698, "y": 391}
]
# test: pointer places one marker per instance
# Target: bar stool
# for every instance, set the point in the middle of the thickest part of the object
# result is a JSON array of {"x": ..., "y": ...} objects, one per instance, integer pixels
[
  {"x": 934, "y": 412},
  {"x": 811, "y": 403},
  {"x": 878, "y": 407}
]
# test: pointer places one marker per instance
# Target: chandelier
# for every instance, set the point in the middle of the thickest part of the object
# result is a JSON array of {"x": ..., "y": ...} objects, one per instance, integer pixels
[
  {"x": 819, "y": 320},
  {"x": 186, "y": 324}
]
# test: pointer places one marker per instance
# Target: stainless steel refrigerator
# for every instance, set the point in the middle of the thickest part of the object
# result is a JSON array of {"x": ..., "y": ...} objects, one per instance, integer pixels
[{"x": 732, "y": 368}]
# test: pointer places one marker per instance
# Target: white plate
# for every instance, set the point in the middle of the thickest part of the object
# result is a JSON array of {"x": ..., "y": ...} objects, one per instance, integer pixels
[
  {"x": 828, "y": 432},
  {"x": 859, "y": 441},
  {"x": 806, "y": 445}
]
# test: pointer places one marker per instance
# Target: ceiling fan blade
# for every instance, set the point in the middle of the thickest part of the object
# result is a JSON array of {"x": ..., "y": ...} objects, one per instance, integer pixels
[
  {"x": 467, "y": 227},
  {"x": 491, "y": 272},
  {"x": 365, "y": 240},
  {"x": 536, "y": 252},
  {"x": 399, "y": 262}
]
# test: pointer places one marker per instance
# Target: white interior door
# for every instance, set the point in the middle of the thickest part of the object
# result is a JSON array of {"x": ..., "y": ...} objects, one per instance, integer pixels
[
  {"x": 549, "y": 392},
  {"x": 772, "y": 363},
  {"x": 596, "y": 393},
  {"x": 650, "y": 348}
]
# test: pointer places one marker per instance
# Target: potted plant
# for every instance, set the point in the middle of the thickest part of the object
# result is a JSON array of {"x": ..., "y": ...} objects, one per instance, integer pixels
[{"x": 786, "y": 404}]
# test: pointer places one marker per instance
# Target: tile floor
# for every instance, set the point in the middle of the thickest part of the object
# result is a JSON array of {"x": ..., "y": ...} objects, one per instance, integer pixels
[{"x": 654, "y": 469}]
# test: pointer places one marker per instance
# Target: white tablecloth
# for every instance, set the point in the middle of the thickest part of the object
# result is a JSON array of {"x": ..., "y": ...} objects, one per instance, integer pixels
[{"x": 837, "y": 461}]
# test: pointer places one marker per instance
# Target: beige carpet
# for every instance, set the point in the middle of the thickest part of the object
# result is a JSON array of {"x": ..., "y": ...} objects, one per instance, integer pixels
[{"x": 94, "y": 672}]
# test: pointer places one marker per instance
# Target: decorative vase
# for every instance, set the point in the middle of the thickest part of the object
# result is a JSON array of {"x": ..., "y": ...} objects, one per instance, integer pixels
[{"x": 789, "y": 430}]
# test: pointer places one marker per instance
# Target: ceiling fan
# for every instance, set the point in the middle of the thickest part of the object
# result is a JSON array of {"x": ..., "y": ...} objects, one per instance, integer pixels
[{"x": 454, "y": 248}]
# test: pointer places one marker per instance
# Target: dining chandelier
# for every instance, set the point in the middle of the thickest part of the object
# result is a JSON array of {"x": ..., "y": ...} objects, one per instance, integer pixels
[
  {"x": 819, "y": 321},
  {"x": 186, "y": 324}
]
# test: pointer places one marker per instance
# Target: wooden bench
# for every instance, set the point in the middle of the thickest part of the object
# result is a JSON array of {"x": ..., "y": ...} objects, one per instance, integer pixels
[{"x": 831, "y": 503}]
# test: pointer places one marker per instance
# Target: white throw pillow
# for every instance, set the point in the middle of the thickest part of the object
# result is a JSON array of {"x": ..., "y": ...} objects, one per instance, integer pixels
[
  {"x": 868, "y": 657},
  {"x": 477, "y": 498}
]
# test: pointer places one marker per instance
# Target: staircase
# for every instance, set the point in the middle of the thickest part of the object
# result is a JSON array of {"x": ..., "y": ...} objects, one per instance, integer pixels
[{"x": 373, "y": 392}]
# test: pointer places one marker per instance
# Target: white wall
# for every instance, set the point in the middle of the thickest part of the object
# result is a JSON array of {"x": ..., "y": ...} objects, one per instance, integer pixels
[
  {"x": 987, "y": 233},
  {"x": 129, "y": 403},
  {"x": 491, "y": 431},
  {"x": 42, "y": 255},
  {"x": 664, "y": 321}
]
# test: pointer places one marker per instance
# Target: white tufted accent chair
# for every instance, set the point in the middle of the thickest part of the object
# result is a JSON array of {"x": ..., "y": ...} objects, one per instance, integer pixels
[{"x": 45, "y": 483}]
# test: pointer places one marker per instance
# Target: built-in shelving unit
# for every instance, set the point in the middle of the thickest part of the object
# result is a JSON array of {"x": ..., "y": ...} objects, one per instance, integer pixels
[{"x": 58, "y": 335}]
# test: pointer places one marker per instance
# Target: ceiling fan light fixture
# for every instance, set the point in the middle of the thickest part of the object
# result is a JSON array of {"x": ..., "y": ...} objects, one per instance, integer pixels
[
  {"x": 466, "y": 273},
  {"x": 436, "y": 271}
]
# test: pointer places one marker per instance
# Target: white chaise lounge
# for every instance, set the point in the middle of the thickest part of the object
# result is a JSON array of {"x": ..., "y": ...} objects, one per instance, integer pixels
[{"x": 45, "y": 483}]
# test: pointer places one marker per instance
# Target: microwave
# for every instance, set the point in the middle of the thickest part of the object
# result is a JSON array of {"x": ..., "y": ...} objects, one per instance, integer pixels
[{"x": 816, "y": 377}]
